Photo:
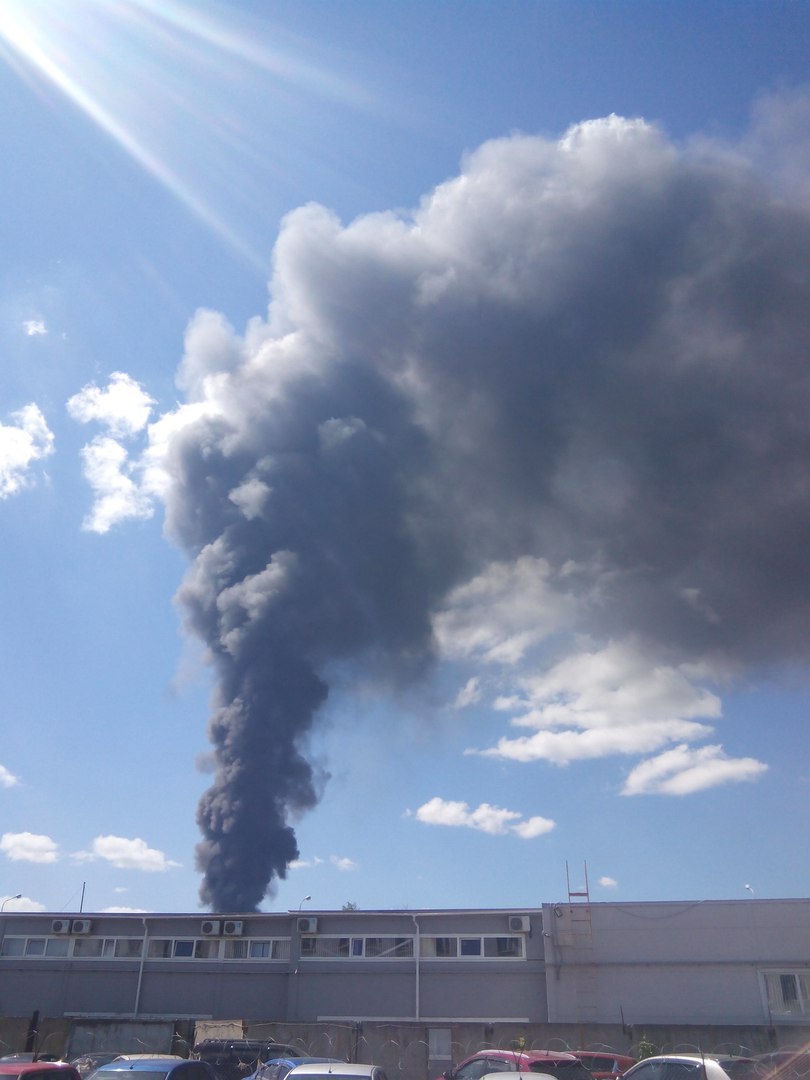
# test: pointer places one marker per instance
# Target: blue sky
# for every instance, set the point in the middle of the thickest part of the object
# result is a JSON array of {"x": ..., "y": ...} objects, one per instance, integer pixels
[{"x": 451, "y": 357}]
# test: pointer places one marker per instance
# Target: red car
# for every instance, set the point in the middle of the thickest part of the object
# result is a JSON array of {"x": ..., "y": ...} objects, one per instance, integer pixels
[
  {"x": 604, "y": 1064},
  {"x": 559, "y": 1065},
  {"x": 38, "y": 1070}
]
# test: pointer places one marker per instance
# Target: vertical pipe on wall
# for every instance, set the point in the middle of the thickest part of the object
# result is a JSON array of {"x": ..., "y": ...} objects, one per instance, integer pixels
[
  {"x": 144, "y": 948},
  {"x": 417, "y": 948}
]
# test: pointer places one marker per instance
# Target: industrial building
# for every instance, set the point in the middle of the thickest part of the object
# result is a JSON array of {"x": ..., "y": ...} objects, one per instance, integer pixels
[{"x": 424, "y": 987}]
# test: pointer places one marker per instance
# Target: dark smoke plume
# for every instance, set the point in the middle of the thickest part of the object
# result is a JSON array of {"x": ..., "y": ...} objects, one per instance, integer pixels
[{"x": 593, "y": 351}]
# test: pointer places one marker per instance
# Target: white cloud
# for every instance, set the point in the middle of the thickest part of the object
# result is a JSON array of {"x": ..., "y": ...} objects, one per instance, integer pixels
[
  {"x": 342, "y": 863},
  {"x": 683, "y": 771},
  {"x": 124, "y": 910},
  {"x": 7, "y": 778},
  {"x": 501, "y": 613},
  {"x": 35, "y": 327},
  {"x": 608, "y": 882},
  {"x": 615, "y": 700},
  {"x": 117, "y": 496},
  {"x": 29, "y": 847},
  {"x": 484, "y": 818},
  {"x": 25, "y": 903},
  {"x": 27, "y": 440},
  {"x": 304, "y": 864},
  {"x": 126, "y": 854},
  {"x": 123, "y": 408}
]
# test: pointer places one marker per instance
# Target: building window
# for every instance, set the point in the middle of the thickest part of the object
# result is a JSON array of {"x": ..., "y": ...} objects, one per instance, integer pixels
[
  {"x": 128, "y": 948},
  {"x": 248, "y": 949},
  {"x": 13, "y": 946},
  {"x": 324, "y": 947},
  {"x": 389, "y": 946},
  {"x": 484, "y": 946},
  {"x": 88, "y": 946},
  {"x": 788, "y": 993},
  {"x": 57, "y": 946}
]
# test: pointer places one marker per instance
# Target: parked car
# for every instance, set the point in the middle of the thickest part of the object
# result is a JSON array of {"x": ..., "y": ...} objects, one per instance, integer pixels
[
  {"x": 694, "y": 1067},
  {"x": 338, "y": 1070},
  {"x": 560, "y": 1065},
  {"x": 604, "y": 1064},
  {"x": 236, "y": 1059},
  {"x": 153, "y": 1067},
  {"x": 37, "y": 1070},
  {"x": 277, "y": 1068}
]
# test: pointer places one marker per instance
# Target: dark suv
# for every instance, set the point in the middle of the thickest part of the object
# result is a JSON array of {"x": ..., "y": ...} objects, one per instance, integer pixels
[{"x": 235, "y": 1059}]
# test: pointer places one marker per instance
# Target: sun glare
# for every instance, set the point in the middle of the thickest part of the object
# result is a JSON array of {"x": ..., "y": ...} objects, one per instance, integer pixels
[{"x": 173, "y": 85}]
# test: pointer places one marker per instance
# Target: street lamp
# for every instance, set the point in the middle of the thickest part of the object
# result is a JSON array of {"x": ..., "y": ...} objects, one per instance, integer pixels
[
  {"x": 303, "y": 902},
  {"x": 17, "y": 897}
]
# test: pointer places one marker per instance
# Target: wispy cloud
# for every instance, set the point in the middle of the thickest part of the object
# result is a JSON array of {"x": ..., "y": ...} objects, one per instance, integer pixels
[
  {"x": 29, "y": 847},
  {"x": 683, "y": 771},
  {"x": 608, "y": 882},
  {"x": 27, "y": 440},
  {"x": 342, "y": 863},
  {"x": 304, "y": 864},
  {"x": 7, "y": 778},
  {"x": 484, "y": 818},
  {"x": 35, "y": 327},
  {"x": 126, "y": 854}
]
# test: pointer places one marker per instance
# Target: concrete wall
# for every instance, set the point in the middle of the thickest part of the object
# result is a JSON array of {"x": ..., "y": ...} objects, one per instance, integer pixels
[{"x": 670, "y": 963}]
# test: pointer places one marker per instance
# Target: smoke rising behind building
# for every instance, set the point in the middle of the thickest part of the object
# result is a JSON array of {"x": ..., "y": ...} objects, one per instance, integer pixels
[{"x": 555, "y": 416}]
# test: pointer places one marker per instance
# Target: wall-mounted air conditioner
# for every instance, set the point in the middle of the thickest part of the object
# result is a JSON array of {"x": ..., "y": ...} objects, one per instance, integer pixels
[
  {"x": 233, "y": 927},
  {"x": 210, "y": 927},
  {"x": 308, "y": 925},
  {"x": 81, "y": 926},
  {"x": 60, "y": 926},
  {"x": 520, "y": 924}
]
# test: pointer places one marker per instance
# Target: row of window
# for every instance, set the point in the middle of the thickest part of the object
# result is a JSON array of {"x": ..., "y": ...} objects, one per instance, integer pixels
[{"x": 481, "y": 946}]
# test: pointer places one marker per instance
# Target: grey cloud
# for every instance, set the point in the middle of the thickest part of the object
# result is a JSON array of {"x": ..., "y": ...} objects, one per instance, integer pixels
[{"x": 591, "y": 351}]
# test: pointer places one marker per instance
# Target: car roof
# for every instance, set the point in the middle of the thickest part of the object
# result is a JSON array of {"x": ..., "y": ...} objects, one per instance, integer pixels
[
  {"x": 589, "y": 1054},
  {"x": 519, "y": 1076},
  {"x": 525, "y": 1055},
  {"x": 140, "y": 1061},
  {"x": 18, "y": 1067},
  {"x": 296, "y": 1061},
  {"x": 341, "y": 1068}
]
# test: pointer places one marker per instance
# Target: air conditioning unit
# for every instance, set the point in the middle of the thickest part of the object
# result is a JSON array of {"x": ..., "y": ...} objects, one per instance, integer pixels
[
  {"x": 60, "y": 926},
  {"x": 81, "y": 926},
  {"x": 233, "y": 927},
  {"x": 309, "y": 925},
  {"x": 520, "y": 924},
  {"x": 210, "y": 927}
]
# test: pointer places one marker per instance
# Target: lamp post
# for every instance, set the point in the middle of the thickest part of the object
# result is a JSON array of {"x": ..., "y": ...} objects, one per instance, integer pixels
[
  {"x": 303, "y": 902},
  {"x": 3, "y": 905}
]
